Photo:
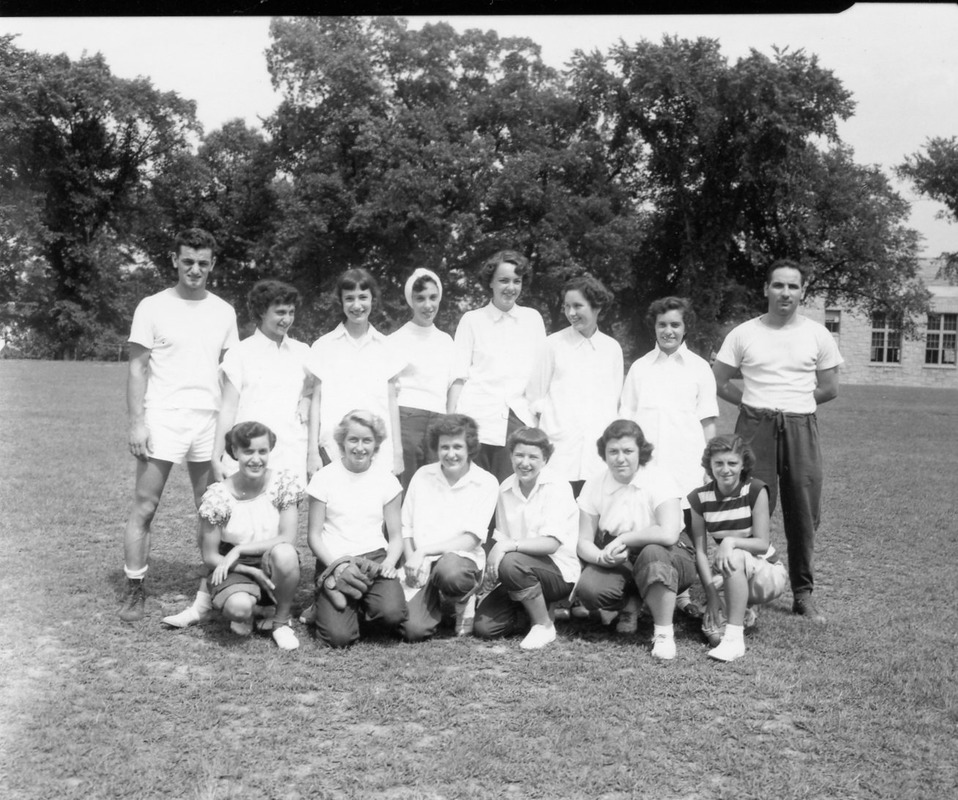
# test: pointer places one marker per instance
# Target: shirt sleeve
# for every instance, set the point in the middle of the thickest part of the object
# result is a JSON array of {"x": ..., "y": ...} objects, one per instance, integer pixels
[
  {"x": 481, "y": 507},
  {"x": 408, "y": 504},
  {"x": 828, "y": 353},
  {"x": 730, "y": 352},
  {"x": 141, "y": 329},
  {"x": 232, "y": 368},
  {"x": 390, "y": 488},
  {"x": 319, "y": 485},
  {"x": 215, "y": 507},
  {"x": 629, "y": 404},
  {"x": 542, "y": 372},
  {"x": 560, "y": 514},
  {"x": 706, "y": 402},
  {"x": 589, "y": 497},
  {"x": 232, "y": 333},
  {"x": 502, "y": 519},
  {"x": 464, "y": 343},
  {"x": 288, "y": 490}
]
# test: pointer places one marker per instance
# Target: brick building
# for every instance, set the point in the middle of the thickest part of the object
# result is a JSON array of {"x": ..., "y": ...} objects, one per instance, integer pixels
[{"x": 876, "y": 352}]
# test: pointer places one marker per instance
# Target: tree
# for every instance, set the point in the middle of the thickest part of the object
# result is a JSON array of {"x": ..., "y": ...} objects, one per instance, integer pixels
[
  {"x": 935, "y": 174},
  {"x": 740, "y": 165},
  {"x": 78, "y": 149}
]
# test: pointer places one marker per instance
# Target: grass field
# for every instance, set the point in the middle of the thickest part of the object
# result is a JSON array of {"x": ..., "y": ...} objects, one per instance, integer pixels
[{"x": 866, "y": 707}]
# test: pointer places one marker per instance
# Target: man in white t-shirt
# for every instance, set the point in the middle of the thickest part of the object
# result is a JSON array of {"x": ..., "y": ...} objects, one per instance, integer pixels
[
  {"x": 177, "y": 339},
  {"x": 789, "y": 366}
]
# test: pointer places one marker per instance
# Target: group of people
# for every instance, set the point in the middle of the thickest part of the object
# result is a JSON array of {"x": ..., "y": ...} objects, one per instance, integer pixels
[{"x": 481, "y": 479}]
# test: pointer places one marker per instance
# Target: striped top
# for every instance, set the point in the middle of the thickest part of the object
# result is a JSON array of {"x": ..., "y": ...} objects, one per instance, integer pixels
[{"x": 728, "y": 516}]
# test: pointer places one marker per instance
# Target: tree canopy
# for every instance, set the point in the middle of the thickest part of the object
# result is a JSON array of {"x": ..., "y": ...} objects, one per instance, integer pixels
[{"x": 661, "y": 168}]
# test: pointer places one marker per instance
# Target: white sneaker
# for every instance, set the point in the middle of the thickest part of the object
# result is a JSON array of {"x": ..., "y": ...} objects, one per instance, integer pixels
[
  {"x": 285, "y": 638},
  {"x": 465, "y": 616},
  {"x": 242, "y": 628},
  {"x": 538, "y": 637},
  {"x": 187, "y": 617},
  {"x": 727, "y": 650},
  {"x": 663, "y": 647}
]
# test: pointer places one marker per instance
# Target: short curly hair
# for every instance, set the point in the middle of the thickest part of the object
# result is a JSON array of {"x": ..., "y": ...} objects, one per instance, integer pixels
[
  {"x": 531, "y": 437},
  {"x": 367, "y": 419},
  {"x": 514, "y": 257},
  {"x": 244, "y": 432},
  {"x": 267, "y": 292},
  {"x": 592, "y": 289},
  {"x": 455, "y": 425},
  {"x": 729, "y": 444},
  {"x": 196, "y": 238},
  {"x": 665, "y": 304},
  {"x": 621, "y": 428}
]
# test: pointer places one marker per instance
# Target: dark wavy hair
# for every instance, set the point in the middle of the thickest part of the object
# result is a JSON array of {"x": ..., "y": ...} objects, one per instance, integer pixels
[
  {"x": 357, "y": 278},
  {"x": 455, "y": 425},
  {"x": 665, "y": 304},
  {"x": 621, "y": 428},
  {"x": 361, "y": 417},
  {"x": 267, "y": 292},
  {"x": 244, "y": 432},
  {"x": 784, "y": 263},
  {"x": 196, "y": 238},
  {"x": 729, "y": 444},
  {"x": 592, "y": 289},
  {"x": 519, "y": 261},
  {"x": 531, "y": 437}
]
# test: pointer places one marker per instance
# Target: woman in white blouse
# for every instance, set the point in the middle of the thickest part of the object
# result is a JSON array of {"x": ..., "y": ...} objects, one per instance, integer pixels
[{"x": 577, "y": 382}]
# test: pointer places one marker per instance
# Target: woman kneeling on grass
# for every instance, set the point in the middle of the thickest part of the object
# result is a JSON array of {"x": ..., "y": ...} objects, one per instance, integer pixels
[
  {"x": 733, "y": 508},
  {"x": 631, "y": 537},
  {"x": 533, "y": 561},
  {"x": 349, "y": 503},
  {"x": 248, "y": 526}
]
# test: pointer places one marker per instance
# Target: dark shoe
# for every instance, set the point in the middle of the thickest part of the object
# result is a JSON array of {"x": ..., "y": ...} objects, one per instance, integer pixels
[
  {"x": 134, "y": 603},
  {"x": 804, "y": 606}
]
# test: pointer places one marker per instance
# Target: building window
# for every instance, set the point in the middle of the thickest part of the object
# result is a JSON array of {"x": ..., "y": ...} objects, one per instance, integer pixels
[
  {"x": 940, "y": 339},
  {"x": 833, "y": 321},
  {"x": 886, "y": 339}
]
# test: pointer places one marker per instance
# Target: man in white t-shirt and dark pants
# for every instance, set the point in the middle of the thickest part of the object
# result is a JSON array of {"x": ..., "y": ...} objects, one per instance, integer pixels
[
  {"x": 177, "y": 339},
  {"x": 789, "y": 367}
]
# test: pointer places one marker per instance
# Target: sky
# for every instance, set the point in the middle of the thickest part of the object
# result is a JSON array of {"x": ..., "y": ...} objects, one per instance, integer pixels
[{"x": 900, "y": 61}]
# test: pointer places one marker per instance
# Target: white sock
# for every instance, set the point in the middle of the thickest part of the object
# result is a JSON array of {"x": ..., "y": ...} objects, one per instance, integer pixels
[
  {"x": 136, "y": 574},
  {"x": 663, "y": 630},
  {"x": 202, "y": 602},
  {"x": 734, "y": 633}
]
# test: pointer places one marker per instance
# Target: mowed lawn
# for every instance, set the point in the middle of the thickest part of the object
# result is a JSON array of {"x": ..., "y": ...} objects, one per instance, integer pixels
[{"x": 866, "y": 707}]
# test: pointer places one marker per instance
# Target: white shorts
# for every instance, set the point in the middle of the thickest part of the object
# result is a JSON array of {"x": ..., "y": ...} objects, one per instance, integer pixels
[
  {"x": 766, "y": 580},
  {"x": 181, "y": 434}
]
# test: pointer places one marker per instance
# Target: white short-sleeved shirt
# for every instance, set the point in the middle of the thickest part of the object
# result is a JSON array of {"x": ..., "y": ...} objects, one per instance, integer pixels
[
  {"x": 575, "y": 389},
  {"x": 270, "y": 380},
  {"x": 433, "y": 511},
  {"x": 355, "y": 373},
  {"x": 779, "y": 364},
  {"x": 549, "y": 510},
  {"x": 429, "y": 353},
  {"x": 495, "y": 356},
  {"x": 185, "y": 339},
  {"x": 669, "y": 396},
  {"x": 354, "y": 507},
  {"x": 622, "y": 507}
]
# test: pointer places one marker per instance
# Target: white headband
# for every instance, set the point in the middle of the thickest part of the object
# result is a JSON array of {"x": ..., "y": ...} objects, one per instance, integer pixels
[{"x": 418, "y": 273}]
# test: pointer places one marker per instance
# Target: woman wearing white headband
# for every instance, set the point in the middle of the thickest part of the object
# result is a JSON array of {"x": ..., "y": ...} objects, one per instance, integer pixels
[{"x": 424, "y": 383}]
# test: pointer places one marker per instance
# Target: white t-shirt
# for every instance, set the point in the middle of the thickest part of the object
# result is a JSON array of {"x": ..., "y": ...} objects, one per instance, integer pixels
[
  {"x": 270, "y": 380},
  {"x": 669, "y": 396},
  {"x": 433, "y": 510},
  {"x": 429, "y": 353},
  {"x": 495, "y": 355},
  {"x": 549, "y": 510},
  {"x": 185, "y": 339},
  {"x": 355, "y": 373},
  {"x": 779, "y": 364},
  {"x": 354, "y": 507},
  {"x": 622, "y": 507},
  {"x": 575, "y": 388}
]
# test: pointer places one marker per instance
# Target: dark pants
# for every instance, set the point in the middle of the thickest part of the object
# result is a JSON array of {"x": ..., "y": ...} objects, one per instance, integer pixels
[
  {"x": 788, "y": 458},
  {"x": 522, "y": 577},
  {"x": 496, "y": 458},
  {"x": 414, "y": 426},
  {"x": 452, "y": 578},
  {"x": 384, "y": 604}
]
